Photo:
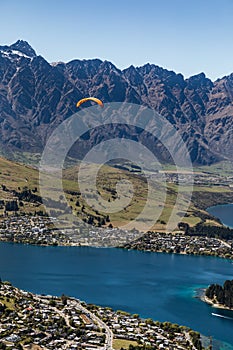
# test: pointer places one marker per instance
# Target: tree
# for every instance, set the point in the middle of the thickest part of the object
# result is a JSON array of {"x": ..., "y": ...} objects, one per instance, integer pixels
[
  {"x": 195, "y": 336},
  {"x": 149, "y": 321},
  {"x": 223, "y": 294},
  {"x": 183, "y": 226},
  {"x": 52, "y": 302},
  {"x": 11, "y": 206},
  {"x": 90, "y": 220},
  {"x": 64, "y": 299}
]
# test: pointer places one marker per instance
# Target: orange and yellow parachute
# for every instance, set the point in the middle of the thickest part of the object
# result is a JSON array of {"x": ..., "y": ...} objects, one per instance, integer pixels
[{"x": 94, "y": 99}]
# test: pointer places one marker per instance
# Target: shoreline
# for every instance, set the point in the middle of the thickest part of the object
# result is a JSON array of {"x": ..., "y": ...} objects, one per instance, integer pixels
[
  {"x": 100, "y": 326},
  {"x": 213, "y": 304},
  {"x": 117, "y": 247}
]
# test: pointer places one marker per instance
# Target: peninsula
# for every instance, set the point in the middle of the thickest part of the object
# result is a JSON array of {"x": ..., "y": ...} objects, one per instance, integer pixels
[{"x": 220, "y": 296}]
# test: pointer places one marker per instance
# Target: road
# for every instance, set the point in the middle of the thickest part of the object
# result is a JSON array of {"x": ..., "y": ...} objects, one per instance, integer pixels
[
  {"x": 93, "y": 317},
  {"x": 101, "y": 324},
  {"x": 225, "y": 243}
]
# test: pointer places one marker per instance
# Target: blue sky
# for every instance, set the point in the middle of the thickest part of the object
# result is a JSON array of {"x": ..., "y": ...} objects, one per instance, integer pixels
[{"x": 187, "y": 36}]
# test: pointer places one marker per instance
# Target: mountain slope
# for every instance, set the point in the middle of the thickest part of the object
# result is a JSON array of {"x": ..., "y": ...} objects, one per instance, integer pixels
[{"x": 35, "y": 96}]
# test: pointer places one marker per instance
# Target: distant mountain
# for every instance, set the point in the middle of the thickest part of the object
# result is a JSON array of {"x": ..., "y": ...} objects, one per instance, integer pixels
[{"x": 35, "y": 96}]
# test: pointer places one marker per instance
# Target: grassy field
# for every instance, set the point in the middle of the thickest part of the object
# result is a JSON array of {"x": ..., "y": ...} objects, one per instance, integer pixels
[
  {"x": 122, "y": 343},
  {"x": 224, "y": 168},
  {"x": 17, "y": 177},
  {"x": 8, "y": 302}
]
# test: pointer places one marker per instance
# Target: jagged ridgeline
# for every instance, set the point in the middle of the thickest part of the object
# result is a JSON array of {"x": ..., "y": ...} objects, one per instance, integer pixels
[{"x": 35, "y": 96}]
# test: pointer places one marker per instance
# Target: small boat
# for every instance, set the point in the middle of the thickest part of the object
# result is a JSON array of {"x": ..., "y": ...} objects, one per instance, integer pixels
[{"x": 222, "y": 316}]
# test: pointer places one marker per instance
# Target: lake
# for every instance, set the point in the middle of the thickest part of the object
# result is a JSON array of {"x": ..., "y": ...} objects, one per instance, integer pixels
[
  {"x": 224, "y": 212},
  {"x": 156, "y": 285}
]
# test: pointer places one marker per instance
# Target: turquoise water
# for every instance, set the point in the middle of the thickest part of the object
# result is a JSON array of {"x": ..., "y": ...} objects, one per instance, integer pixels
[
  {"x": 224, "y": 212},
  {"x": 156, "y": 285}
]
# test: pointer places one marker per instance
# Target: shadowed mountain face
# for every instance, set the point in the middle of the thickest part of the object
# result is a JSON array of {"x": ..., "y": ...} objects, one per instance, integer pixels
[{"x": 36, "y": 96}]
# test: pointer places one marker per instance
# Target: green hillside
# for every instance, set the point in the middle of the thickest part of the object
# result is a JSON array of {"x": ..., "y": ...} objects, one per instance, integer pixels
[{"x": 19, "y": 183}]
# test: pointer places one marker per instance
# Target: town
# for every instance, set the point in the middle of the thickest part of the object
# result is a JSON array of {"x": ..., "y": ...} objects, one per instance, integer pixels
[
  {"x": 201, "y": 178},
  {"x": 38, "y": 230},
  {"x": 41, "y": 231},
  {"x": 183, "y": 244},
  {"x": 30, "y": 321}
]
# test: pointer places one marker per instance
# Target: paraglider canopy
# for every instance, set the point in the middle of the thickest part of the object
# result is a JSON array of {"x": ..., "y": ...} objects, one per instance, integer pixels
[{"x": 94, "y": 99}]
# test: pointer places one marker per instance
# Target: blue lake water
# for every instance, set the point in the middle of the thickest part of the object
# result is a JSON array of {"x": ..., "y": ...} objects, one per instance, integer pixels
[
  {"x": 224, "y": 212},
  {"x": 156, "y": 285}
]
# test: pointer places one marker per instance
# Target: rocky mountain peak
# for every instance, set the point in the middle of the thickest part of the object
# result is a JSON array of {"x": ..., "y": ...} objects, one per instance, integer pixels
[
  {"x": 24, "y": 47},
  {"x": 108, "y": 67},
  {"x": 199, "y": 80},
  {"x": 133, "y": 75}
]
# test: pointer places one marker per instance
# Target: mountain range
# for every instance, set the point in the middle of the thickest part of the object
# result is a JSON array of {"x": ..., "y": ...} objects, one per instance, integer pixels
[{"x": 36, "y": 96}]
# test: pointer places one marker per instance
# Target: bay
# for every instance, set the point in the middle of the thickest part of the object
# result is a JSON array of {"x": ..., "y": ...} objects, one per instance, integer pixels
[
  {"x": 224, "y": 212},
  {"x": 156, "y": 285}
]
